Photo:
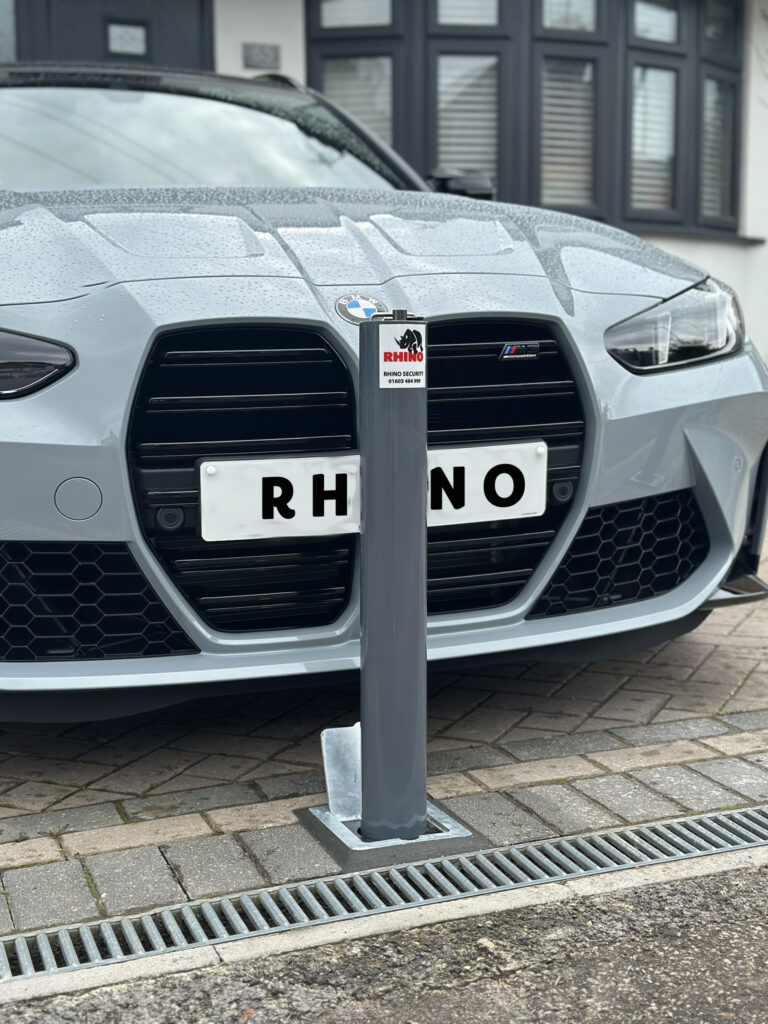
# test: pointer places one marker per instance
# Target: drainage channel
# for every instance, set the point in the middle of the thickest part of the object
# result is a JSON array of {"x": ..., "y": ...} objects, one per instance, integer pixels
[{"x": 364, "y": 893}]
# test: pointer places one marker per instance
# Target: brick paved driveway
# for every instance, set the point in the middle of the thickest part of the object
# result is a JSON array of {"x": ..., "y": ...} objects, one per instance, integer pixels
[{"x": 106, "y": 818}]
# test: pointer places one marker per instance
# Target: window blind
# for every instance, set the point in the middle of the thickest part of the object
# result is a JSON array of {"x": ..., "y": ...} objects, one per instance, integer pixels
[
  {"x": 717, "y": 148},
  {"x": 571, "y": 15},
  {"x": 468, "y": 112},
  {"x": 355, "y": 13},
  {"x": 654, "y": 101},
  {"x": 467, "y": 12},
  {"x": 656, "y": 20},
  {"x": 568, "y": 132},
  {"x": 363, "y": 87}
]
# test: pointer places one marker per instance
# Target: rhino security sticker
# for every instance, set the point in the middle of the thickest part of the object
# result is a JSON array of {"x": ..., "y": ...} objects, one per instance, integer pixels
[{"x": 402, "y": 356}]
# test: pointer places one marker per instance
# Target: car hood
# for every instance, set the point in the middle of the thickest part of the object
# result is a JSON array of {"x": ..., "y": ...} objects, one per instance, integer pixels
[{"x": 58, "y": 246}]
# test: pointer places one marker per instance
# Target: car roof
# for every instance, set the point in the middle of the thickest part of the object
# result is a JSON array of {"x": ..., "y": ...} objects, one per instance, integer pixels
[{"x": 137, "y": 76}]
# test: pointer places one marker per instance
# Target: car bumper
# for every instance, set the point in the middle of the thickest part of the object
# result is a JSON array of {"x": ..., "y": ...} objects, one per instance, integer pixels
[{"x": 702, "y": 428}]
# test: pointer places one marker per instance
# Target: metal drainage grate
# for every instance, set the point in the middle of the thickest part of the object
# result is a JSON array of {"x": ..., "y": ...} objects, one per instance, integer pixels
[{"x": 361, "y": 894}]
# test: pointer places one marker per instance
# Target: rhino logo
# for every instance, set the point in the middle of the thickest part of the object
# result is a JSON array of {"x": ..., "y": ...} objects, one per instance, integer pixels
[{"x": 411, "y": 341}]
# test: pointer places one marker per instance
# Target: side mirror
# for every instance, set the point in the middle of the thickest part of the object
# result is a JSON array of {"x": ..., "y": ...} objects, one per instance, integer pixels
[{"x": 474, "y": 184}]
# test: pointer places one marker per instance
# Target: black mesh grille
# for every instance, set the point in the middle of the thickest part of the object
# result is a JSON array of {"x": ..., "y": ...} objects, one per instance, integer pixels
[
  {"x": 628, "y": 552},
  {"x": 92, "y": 601},
  {"x": 253, "y": 390}
]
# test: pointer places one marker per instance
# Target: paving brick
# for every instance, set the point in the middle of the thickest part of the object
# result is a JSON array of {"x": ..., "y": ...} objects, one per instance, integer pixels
[
  {"x": 571, "y": 708},
  {"x": 748, "y": 720},
  {"x": 529, "y": 772},
  {"x": 720, "y": 668},
  {"x": 307, "y": 753},
  {"x": 565, "y": 809},
  {"x": 631, "y": 706},
  {"x": 561, "y": 746},
  {"x": 224, "y": 767},
  {"x": 212, "y": 867},
  {"x": 553, "y": 722},
  {"x": 35, "y": 796},
  {"x": 453, "y": 702},
  {"x": 133, "y": 880},
  {"x": 484, "y": 724},
  {"x": 44, "y": 769},
  {"x": 51, "y": 894},
  {"x": 668, "y": 714},
  {"x": 255, "y": 747},
  {"x": 58, "y": 747},
  {"x": 627, "y": 798},
  {"x": 150, "y": 770},
  {"x": 266, "y": 815},
  {"x": 179, "y": 783},
  {"x": 736, "y": 743},
  {"x": 464, "y": 759},
  {"x": 440, "y": 787},
  {"x": 512, "y": 685},
  {"x": 556, "y": 671},
  {"x": 279, "y": 787},
  {"x": 29, "y": 851},
  {"x": 168, "y": 805},
  {"x": 647, "y": 757},
  {"x": 145, "y": 833},
  {"x": 664, "y": 732},
  {"x": 86, "y": 797},
  {"x": 596, "y": 724},
  {"x": 288, "y": 853},
  {"x": 71, "y": 819},
  {"x": 592, "y": 686},
  {"x": 682, "y": 652},
  {"x": 6, "y": 924},
  {"x": 269, "y": 769},
  {"x": 687, "y": 788},
  {"x": 747, "y": 779},
  {"x": 132, "y": 745},
  {"x": 740, "y": 706},
  {"x": 498, "y": 819}
]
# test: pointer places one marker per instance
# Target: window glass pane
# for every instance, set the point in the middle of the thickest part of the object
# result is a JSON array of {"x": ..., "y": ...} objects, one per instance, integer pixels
[
  {"x": 717, "y": 148},
  {"x": 573, "y": 15},
  {"x": 468, "y": 112},
  {"x": 468, "y": 12},
  {"x": 656, "y": 20},
  {"x": 654, "y": 95},
  {"x": 568, "y": 132},
  {"x": 355, "y": 13},
  {"x": 363, "y": 87},
  {"x": 721, "y": 29}
]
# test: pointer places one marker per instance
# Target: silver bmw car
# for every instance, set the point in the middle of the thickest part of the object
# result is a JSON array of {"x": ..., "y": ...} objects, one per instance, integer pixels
[{"x": 186, "y": 262}]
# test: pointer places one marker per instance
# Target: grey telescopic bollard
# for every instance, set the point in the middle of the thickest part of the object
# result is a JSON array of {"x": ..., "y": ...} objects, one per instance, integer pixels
[{"x": 393, "y": 564}]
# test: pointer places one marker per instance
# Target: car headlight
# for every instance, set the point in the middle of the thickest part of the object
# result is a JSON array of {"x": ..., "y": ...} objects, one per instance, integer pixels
[
  {"x": 28, "y": 364},
  {"x": 702, "y": 323}
]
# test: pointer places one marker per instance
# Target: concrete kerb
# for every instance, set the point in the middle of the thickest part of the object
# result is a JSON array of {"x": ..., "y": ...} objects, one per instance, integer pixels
[{"x": 349, "y": 931}]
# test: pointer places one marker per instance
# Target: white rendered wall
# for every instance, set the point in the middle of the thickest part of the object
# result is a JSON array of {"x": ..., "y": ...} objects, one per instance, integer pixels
[
  {"x": 745, "y": 267},
  {"x": 279, "y": 22}
]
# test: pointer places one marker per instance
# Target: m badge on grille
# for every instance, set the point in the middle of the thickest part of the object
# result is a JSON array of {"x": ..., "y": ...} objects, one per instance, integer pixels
[{"x": 526, "y": 350}]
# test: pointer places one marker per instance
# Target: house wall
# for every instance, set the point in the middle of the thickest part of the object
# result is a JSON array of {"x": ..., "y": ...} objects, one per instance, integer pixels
[{"x": 276, "y": 22}]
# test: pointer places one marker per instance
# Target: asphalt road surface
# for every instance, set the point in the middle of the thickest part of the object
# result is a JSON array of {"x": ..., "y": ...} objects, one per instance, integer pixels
[{"x": 689, "y": 952}]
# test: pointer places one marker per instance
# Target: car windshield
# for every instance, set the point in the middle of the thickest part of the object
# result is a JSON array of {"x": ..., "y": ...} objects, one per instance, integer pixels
[{"x": 61, "y": 137}]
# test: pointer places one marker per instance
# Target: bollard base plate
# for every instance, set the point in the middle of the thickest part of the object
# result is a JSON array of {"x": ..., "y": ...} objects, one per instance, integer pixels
[{"x": 347, "y": 831}]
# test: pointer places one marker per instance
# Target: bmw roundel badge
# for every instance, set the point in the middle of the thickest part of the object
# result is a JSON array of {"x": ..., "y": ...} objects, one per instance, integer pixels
[{"x": 356, "y": 308}]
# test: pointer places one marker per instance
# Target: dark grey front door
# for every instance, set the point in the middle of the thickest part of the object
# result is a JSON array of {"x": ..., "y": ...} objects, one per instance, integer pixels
[{"x": 170, "y": 33}]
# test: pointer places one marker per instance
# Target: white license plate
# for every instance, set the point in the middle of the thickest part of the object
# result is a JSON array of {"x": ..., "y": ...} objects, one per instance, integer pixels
[{"x": 251, "y": 499}]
